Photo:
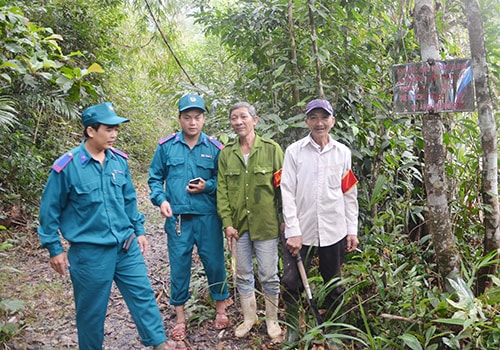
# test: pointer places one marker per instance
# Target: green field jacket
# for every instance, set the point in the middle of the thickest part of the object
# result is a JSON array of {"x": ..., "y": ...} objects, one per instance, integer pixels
[{"x": 249, "y": 196}]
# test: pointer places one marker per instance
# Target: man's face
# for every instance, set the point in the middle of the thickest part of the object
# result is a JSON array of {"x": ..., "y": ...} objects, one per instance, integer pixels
[
  {"x": 319, "y": 123},
  {"x": 192, "y": 121},
  {"x": 104, "y": 137},
  {"x": 242, "y": 122}
]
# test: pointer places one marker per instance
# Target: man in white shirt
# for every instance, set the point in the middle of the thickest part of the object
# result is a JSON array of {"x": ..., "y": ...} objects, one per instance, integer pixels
[{"x": 320, "y": 207}]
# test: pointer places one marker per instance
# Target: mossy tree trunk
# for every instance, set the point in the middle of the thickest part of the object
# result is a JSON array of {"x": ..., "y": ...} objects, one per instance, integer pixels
[
  {"x": 488, "y": 127},
  {"x": 447, "y": 253}
]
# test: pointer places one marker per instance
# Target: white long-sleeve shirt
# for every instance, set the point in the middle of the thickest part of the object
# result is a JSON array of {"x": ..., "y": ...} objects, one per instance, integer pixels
[{"x": 319, "y": 192}]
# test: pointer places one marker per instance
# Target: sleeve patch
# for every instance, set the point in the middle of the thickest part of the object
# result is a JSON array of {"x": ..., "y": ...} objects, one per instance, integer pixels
[
  {"x": 277, "y": 178},
  {"x": 61, "y": 163},
  {"x": 167, "y": 138},
  {"x": 348, "y": 181},
  {"x": 120, "y": 153},
  {"x": 216, "y": 142}
]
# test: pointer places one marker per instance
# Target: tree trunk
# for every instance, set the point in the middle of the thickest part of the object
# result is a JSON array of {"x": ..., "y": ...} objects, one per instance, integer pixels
[
  {"x": 447, "y": 253},
  {"x": 310, "y": 6},
  {"x": 293, "y": 57},
  {"x": 488, "y": 128}
]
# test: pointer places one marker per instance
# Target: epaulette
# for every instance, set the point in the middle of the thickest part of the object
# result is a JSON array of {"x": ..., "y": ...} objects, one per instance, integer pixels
[
  {"x": 120, "y": 153},
  {"x": 167, "y": 138},
  {"x": 61, "y": 163},
  {"x": 266, "y": 140},
  {"x": 216, "y": 142}
]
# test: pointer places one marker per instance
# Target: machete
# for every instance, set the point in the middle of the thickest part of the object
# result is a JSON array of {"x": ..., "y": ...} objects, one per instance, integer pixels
[{"x": 305, "y": 282}]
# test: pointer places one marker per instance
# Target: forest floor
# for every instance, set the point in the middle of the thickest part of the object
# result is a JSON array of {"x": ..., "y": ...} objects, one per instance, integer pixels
[{"x": 47, "y": 320}]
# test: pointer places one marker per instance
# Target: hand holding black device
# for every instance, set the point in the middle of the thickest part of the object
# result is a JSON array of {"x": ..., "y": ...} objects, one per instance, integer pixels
[{"x": 195, "y": 180}]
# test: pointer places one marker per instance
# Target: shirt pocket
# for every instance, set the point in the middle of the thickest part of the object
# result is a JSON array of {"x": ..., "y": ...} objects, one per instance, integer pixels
[
  {"x": 86, "y": 195},
  {"x": 205, "y": 168},
  {"x": 263, "y": 175},
  {"x": 335, "y": 177},
  {"x": 117, "y": 182},
  {"x": 175, "y": 166},
  {"x": 232, "y": 177}
]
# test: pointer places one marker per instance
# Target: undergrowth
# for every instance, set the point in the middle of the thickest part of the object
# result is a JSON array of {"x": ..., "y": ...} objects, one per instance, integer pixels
[{"x": 393, "y": 300}]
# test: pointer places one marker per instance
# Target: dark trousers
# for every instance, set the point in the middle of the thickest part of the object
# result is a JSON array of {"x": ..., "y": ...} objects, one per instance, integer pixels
[{"x": 331, "y": 259}]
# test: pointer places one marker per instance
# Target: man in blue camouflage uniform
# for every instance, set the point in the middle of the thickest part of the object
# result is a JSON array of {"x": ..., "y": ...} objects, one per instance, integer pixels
[
  {"x": 90, "y": 198},
  {"x": 190, "y": 208}
]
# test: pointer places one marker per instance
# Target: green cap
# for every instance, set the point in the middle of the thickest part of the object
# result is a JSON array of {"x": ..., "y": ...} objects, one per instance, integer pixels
[
  {"x": 191, "y": 101},
  {"x": 103, "y": 113}
]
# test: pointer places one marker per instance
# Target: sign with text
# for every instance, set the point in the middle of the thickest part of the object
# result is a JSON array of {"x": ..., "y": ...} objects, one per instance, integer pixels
[{"x": 443, "y": 86}]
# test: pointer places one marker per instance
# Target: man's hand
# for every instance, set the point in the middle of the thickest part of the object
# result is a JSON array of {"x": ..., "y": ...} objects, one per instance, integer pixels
[
  {"x": 143, "y": 243},
  {"x": 165, "y": 209},
  {"x": 352, "y": 243},
  {"x": 198, "y": 187},
  {"x": 294, "y": 244},
  {"x": 231, "y": 233},
  {"x": 60, "y": 263}
]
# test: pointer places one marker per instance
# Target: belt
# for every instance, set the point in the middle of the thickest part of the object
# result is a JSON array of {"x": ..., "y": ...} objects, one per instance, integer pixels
[
  {"x": 186, "y": 217},
  {"x": 179, "y": 219}
]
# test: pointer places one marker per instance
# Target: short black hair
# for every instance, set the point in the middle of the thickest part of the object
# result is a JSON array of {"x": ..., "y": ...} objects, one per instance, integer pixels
[{"x": 94, "y": 126}]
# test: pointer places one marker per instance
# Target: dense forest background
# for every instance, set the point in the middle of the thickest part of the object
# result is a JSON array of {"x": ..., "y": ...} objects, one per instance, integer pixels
[{"x": 60, "y": 56}]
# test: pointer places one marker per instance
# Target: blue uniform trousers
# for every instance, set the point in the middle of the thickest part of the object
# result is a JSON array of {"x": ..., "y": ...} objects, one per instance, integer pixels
[
  {"x": 93, "y": 269},
  {"x": 206, "y": 232}
]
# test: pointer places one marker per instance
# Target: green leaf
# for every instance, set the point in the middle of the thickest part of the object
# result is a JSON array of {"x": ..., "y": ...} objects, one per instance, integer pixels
[
  {"x": 95, "y": 68},
  {"x": 9, "y": 64},
  {"x": 278, "y": 71},
  {"x": 12, "y": 306},
  {"x": 53, "y": 37},
  {"x": 411, "y": 341},
  {"x": 455, "y": 321}
]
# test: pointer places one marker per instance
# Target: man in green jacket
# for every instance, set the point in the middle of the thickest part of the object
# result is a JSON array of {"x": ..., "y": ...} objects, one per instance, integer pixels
[{"x": 249, "y": 204}]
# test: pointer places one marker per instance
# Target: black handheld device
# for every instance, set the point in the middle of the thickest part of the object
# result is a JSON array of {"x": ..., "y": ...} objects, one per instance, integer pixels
[{"x": 195, "y": 180}]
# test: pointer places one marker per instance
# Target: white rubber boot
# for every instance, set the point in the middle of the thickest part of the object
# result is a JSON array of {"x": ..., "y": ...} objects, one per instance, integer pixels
[
  {"x": 273, "y": 328},
  {"x": 249, "y": 308}
]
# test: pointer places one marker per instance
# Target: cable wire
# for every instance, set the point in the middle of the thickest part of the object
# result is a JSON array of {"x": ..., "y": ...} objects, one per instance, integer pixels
[{"x": 167, "y": 43}]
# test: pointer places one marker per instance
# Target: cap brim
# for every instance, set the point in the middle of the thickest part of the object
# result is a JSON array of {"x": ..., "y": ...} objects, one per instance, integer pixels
[
  {"x": 190, "y": 107},
  {"x": 115, "y": 120},
  {"x": 311, "y": 109}
]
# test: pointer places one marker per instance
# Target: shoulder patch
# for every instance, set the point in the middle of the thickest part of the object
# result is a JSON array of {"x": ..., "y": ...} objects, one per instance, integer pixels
[
  {"x": 120, "y": 153},
  {"x": 216, "y": 142},
  {"x": 61, "y": 163},
  {"x": 166, "y": 139}
]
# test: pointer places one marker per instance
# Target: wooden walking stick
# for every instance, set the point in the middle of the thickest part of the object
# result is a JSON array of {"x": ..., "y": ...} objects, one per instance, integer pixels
[
  {"x": 233, "y": 265},
  {"x": 305, "y": 282}
]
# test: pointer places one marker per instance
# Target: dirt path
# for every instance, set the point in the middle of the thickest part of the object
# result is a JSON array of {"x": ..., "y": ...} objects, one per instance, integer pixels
[{"x": 47, "y": 319}]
